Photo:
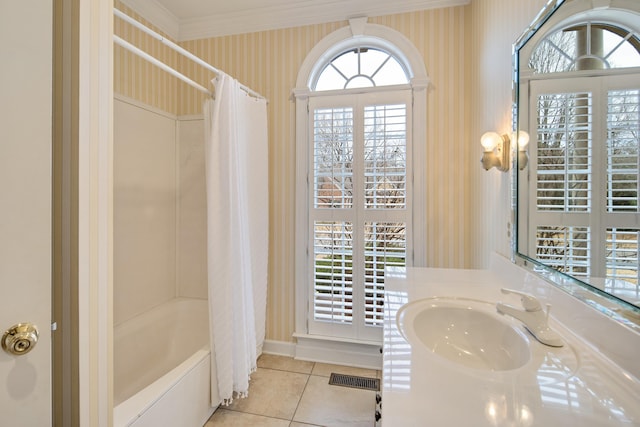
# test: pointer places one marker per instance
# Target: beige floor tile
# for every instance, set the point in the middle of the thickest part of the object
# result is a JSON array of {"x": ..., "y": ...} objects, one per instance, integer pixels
[
  {"x": 272, "y": 393},
  {"x": 334, "y": 406},
  {"x": 284, "y": 363},
  {"x": 295, "y": 424},
  {"x": 224, "y": 418},
  {"x": 325, "y": 370}
]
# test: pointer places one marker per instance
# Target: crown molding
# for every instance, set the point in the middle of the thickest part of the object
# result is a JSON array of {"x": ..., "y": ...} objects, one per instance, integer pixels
[
  {"x": 308, "y": 13},
  {"x": 156, "y": 14},
  {"x": 276, "y": 16}
]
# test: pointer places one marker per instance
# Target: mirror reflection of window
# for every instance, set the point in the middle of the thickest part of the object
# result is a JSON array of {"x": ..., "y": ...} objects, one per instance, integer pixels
[
  {"x": 584, "y": 111},
  {"x": 587, "y": 46}
]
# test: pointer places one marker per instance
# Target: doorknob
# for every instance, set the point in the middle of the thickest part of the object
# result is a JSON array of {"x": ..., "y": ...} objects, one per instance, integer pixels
[{"x": 20, "y": 339}]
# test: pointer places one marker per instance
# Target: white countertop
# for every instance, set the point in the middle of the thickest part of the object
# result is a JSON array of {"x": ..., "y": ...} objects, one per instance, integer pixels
[{"x": 423, "y": 389}]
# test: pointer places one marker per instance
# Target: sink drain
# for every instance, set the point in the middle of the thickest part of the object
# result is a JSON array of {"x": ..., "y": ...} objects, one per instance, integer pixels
[{"x": 363, "y": 383}]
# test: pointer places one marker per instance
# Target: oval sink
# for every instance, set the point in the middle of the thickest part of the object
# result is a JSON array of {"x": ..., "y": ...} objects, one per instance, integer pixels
[{"x": 465, "y": 332}]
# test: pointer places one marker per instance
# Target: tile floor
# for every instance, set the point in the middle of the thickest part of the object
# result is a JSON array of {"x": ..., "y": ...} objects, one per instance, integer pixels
[{"x": 284, "y": 392}]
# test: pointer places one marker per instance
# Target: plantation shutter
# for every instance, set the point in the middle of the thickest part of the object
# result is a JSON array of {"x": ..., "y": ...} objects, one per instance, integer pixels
[
  {"x": 622, "y": 260},
  {"x": 586, "y": 168},
  {"x": 623, "y": 146},
  {"x": 564, "y": 157},
  {"x": 359, "y": 208},
  {"x": 623, "y": 127}
]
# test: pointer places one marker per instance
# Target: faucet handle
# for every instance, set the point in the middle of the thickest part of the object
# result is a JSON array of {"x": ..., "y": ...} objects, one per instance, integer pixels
[{"x": 529, "y": 302}]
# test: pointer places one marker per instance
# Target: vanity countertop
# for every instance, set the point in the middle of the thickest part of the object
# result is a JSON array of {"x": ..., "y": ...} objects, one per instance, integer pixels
[{"x": 423, "y": 389}]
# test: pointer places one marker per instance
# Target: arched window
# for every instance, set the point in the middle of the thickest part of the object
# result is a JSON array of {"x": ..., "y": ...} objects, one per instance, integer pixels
[
  {"x": 356, "y": 143},
  {"x": 361, "y": 67}
]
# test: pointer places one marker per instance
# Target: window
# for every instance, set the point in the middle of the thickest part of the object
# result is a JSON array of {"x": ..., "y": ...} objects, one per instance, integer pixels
[
  {"x": 357, "y": 186},
  {"x": 361, "y": 67},
  {"x": 359, "y": 207},
  {"x": 585, "y": 160}
]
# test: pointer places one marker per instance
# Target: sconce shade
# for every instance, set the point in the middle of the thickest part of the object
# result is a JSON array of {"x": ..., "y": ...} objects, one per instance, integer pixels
[
  {"x": 489, "y": 160},
  {"x": 490, "y": 141},
  {"x": 523, "y": 139},
  {"x": 523, "y": 159}
]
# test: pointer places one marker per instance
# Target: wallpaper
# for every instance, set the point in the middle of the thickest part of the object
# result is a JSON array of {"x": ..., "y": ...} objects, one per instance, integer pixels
[
  {"x": 137, "y": 78},
  {"x": 467, "y": 54}
]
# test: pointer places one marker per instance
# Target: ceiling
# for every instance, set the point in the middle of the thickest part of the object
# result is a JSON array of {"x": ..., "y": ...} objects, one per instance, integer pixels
[{"x": 195, "y": 19}]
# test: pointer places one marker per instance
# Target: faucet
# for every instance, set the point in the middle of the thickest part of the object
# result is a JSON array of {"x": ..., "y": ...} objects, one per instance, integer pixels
[{"x": 534, "y": 319}]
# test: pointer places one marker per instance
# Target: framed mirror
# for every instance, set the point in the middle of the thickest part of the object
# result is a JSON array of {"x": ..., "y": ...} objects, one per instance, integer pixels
[{"x": 577, "y": 168}]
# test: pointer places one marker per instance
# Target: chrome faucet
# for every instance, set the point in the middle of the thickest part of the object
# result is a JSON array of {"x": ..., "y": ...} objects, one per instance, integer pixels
[{"x": 534, "y": 319}]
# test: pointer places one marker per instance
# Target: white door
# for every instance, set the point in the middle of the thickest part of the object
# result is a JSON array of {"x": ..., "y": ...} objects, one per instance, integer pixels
[{"x": 25, "y": 206}]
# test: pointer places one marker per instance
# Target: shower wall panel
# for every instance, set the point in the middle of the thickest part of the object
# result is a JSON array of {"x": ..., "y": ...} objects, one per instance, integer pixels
[
  {"x": 144, "y": 209},
  {"x": 192, "y": 209}
]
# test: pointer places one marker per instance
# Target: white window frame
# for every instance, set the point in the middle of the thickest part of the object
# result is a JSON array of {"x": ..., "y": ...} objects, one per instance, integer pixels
[
  {"x": 357, "y": 214},
  {"x": 358, "y": 33}
]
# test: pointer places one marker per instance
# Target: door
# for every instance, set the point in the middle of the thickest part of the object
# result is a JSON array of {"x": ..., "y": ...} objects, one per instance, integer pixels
[{"x": 25, "y": 206}]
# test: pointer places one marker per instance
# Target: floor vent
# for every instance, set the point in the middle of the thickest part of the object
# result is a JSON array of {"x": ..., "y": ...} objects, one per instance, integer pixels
[{"x": 363, "y": 383}]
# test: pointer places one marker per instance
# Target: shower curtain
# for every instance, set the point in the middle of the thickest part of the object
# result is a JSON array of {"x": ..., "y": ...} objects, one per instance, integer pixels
[{"x": 237, "y": 234}]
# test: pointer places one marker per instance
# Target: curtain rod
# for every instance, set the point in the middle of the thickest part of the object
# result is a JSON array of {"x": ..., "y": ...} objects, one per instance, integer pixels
[
  {"x": 160, "y": 64},
  {"x": 177, "y": 48}
]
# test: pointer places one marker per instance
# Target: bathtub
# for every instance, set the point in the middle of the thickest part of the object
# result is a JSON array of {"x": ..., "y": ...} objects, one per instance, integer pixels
[{"x": 162, "y": 367}]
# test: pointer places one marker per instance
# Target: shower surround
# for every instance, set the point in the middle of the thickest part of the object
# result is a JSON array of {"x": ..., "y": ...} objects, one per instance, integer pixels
[{"x": 160, "y": 288}]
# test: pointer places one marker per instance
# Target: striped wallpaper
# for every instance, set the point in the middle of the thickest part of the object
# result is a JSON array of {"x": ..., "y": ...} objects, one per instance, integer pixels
[
  {"x": 138, "y": 79},
  {"x": 495, "y": 25},
  {"x": 468, "y": 208}
]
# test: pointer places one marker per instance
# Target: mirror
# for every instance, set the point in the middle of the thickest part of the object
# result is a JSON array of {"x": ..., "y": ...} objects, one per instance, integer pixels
[{"x": 577, "y": 98}]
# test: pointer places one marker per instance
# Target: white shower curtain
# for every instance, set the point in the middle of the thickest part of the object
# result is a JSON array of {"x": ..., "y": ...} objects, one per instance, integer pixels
[{"x": 237, "y": 234}]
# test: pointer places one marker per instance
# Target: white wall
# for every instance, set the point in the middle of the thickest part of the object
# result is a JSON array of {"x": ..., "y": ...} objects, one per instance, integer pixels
[{"x": 144, "y": 209}]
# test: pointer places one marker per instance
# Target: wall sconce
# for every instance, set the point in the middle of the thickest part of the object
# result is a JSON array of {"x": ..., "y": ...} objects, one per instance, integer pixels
[
  {"x": 497, "y": 150},
  {"x": 523, "y": 140}
]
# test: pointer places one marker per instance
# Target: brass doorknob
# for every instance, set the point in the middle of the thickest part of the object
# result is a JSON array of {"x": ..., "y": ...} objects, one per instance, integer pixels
[{"x": 20, "y": 339}]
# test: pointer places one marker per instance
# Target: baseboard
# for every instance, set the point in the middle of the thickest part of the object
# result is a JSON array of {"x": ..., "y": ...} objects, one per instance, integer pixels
[
  {"x": 279, "y": 348},
  {"x": 314, "y": 349}
]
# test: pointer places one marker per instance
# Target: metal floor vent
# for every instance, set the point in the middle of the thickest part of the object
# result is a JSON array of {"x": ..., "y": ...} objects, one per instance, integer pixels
[{"x": 352, "y": 381}]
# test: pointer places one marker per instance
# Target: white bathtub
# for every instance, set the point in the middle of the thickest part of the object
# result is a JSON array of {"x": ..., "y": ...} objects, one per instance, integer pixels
[{"x": 162, "y": 367}]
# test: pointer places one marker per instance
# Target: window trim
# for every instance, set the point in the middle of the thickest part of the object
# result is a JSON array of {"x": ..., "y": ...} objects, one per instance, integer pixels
[{"x": 323, "y": 52}]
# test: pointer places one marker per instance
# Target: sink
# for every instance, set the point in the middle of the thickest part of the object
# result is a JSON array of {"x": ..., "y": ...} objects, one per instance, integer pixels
[{"x": 464, "y": 331}]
